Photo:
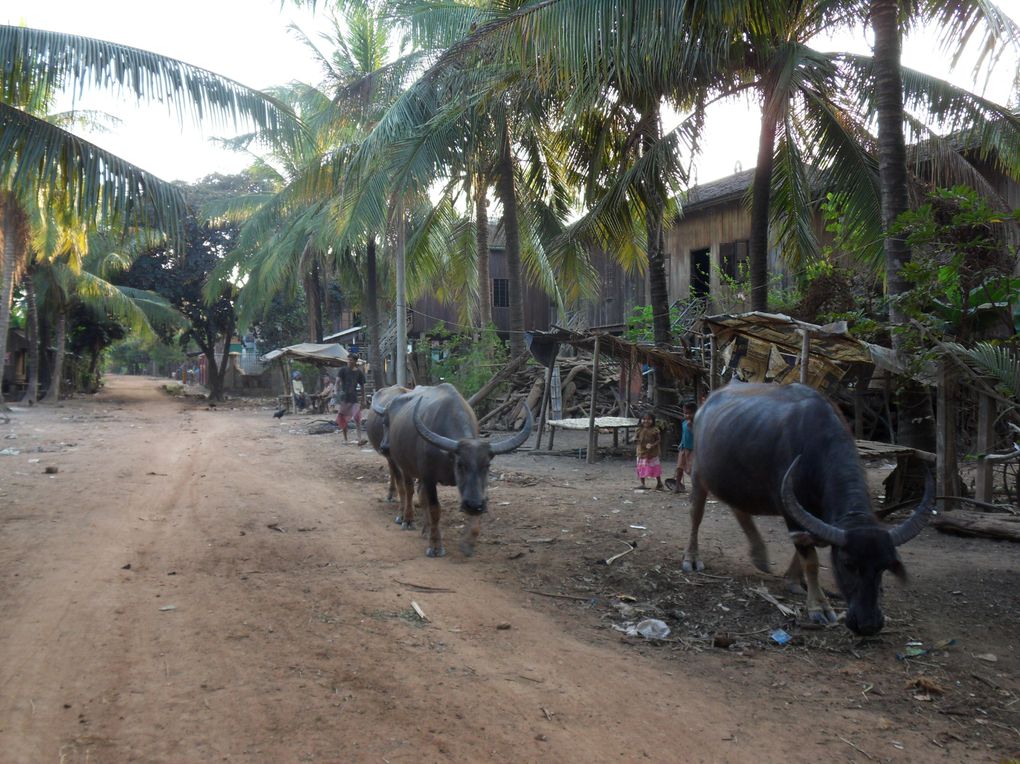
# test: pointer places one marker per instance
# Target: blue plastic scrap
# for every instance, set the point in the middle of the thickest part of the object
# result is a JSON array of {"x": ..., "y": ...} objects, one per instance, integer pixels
[{"x": 780, "y": 637}]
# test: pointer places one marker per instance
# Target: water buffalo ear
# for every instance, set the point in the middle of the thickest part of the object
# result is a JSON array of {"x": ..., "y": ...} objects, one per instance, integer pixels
[{"x": 898, "y": 570}]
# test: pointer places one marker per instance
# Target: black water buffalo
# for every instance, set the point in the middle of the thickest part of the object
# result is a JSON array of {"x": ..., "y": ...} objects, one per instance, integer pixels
[
  {"x": 784, "y": 449},
  {"x": 375, "y": 428},
  {"x": 432, "y": 435}
]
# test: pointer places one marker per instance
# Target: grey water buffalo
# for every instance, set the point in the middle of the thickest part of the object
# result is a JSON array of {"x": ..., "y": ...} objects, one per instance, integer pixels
[
  {"x": 375, "y": 428},
  {"x": 785, "y": 450},
  {"x": 431, "y": 435}
]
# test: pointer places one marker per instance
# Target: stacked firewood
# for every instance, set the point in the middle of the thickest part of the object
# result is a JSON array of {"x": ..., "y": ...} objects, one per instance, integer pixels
[{"x": 527, "y": 386}]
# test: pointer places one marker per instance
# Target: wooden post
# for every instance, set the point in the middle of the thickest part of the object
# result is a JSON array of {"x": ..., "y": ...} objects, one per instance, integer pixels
[
  {"x": 630, "y": 376},
  {"x": 713, "y": 363},
  {"x": 985, "y": 443},
  {"x": 593, "y": 435},
  {"x": 858, "y": 411},
  {"x": 945, "y": 434},
  {"x": 805, "y": 354},
  {"x": 546, "y": 399}
]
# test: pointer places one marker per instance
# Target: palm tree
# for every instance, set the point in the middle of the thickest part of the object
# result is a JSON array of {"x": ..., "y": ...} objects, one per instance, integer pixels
[
  {"x": 448, "y": 129},
  {"x": 816, "y": 106},
  {"x": 36, "y": 155},
  {"x": 303, "y": 229}
]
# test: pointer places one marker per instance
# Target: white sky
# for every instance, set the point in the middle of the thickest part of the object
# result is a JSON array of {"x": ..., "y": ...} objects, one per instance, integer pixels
[{"x": 248, "y": 41}]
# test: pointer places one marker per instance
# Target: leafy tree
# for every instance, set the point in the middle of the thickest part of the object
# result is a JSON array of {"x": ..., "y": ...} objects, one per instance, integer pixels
[
  {"x": 179, "y": 276},
  {"x": 37, "y": 156},
  {"x": 961, "y": 273}
]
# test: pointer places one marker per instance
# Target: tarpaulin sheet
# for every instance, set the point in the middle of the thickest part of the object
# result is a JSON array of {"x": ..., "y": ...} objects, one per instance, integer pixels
[{"x": 330, "y": 354}]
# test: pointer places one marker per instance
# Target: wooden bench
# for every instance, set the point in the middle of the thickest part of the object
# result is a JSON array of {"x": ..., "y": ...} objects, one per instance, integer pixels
[{"x": 614, "y": 423}]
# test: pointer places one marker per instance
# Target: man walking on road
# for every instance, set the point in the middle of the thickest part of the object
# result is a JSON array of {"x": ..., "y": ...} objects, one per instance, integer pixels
[{"x": 350, "y": 397}]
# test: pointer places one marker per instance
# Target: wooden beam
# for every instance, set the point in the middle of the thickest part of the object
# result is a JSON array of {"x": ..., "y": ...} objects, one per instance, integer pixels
[
  {"x": 805, "y": 354},
  {"x": 492, "y": 384},
  {"x": 593, "y": 435}
]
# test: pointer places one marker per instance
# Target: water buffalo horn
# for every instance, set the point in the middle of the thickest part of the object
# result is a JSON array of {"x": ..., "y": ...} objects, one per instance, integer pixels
[
  {"x": 910, "y": 527},
  {"x": 507, "y": 445},
  {"x": 439, "y": 441},
  {"x": 813, "y": 525},
  {"x": 377, "y": 408}
]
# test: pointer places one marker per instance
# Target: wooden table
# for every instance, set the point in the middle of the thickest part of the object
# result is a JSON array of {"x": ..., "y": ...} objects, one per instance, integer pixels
[{"x": 614, "y": 423}]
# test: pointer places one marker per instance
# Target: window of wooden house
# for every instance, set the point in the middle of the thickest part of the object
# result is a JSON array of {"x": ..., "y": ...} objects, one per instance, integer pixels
[
  {"x": 733, "y": 257},
  {"x": 501, "y": 293},
  {"x": 701, "y": 279}
]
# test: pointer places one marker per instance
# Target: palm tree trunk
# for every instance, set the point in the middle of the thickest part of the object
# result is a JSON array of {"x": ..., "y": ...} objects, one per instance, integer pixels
[
  {"x": 482, "y": 247},
  {"x": 761, "y": 195},
  {"x": 916, "y": 420},
  {"x": 372, "y": 314},
  {"x": 12, "y": 226},
  {"x": 892, "y": 152},
  {"x": 53, "y": 393},
  {"x": 313, "y": 291},
  {"x": 313, "y": 297},
  {"x": 32, "y": 308},
  {"x": 508, "y": 197},
  {"x": 658, "y": 291}
]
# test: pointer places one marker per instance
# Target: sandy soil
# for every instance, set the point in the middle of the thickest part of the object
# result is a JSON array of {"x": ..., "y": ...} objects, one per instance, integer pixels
[{"x": 181, "y": 583}]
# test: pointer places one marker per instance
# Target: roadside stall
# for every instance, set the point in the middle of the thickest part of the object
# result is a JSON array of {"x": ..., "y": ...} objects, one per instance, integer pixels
[{"x": 319, "y": 355}]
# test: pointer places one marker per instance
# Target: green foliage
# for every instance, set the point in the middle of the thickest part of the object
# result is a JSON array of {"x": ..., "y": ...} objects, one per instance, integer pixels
[
  {"x": 639, "y": 323},
  {"x": 134, "y": 354},
  {"x": 846, "y": 236},
  {"x": 462, "y": 361},
  {"x": 961, "y": 269},
  {"x": 996, "y": 362},
  {"x": 284, "y": 322}
]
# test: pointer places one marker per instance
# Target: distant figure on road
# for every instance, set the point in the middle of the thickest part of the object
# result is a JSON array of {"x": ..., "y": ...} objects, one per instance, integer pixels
[
  {"x": 298, "y": 388},
  {"x": 350, "y": 397}
]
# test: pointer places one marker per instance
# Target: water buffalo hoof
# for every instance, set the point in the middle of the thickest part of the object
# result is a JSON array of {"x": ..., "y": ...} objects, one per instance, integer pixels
[
  {"x": 390, "y": 500},
  {"x": 760, "y": 560},
  {"x": 823, "y": 617},
  {"x": 408, "y": 526},
  {"x": 466, "y": 549},
  {"x": 690, "y": 567},
  {"x": 435, "y": 552},
  {"x": 399, "y": 519},
  {"x": 795, "y": 587}
]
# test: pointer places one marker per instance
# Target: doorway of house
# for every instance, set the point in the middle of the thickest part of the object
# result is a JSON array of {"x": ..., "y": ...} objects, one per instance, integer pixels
[{"x": 700, "y": 272}]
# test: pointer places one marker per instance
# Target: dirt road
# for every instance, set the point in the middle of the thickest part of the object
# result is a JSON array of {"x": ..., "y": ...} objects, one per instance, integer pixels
[{"x": 191, "y": 584}]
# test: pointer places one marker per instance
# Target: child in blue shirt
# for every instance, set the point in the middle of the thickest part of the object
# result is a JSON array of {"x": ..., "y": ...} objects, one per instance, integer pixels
[{"x": 685, "y": 460}]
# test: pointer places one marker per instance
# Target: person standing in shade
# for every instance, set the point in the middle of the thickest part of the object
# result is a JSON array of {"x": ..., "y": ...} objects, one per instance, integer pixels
[
  {"x": 648, "y": 464},
  {"x": 350, "y": 397},
  {"x": 298, "y": 388},
  {"x": 685, "y": 459}
]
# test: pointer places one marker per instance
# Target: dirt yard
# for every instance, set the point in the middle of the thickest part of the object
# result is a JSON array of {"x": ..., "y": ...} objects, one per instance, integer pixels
[{"x": 180, "y": 583}]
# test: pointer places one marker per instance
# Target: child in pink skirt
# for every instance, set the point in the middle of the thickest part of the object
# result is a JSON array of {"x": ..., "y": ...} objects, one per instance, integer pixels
[{"x": 648, "y": 464}]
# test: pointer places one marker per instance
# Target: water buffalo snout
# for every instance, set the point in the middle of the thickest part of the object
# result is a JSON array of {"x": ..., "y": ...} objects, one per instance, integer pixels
[
  {"x": 474, "y": 508},
  {"x": 865, "y": 627}
]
